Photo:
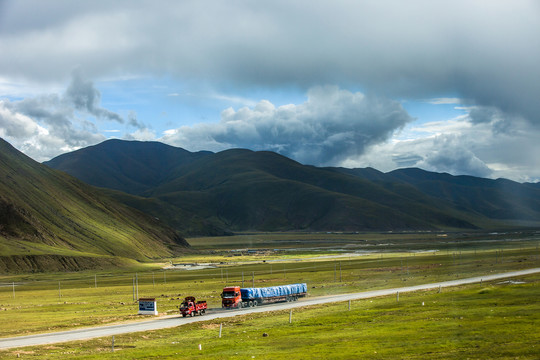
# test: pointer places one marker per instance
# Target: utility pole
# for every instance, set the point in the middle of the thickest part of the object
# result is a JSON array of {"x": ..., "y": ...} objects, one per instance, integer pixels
[{"x": 137, "y": 284}]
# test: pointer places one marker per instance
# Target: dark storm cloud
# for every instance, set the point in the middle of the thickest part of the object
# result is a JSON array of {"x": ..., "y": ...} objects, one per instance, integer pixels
[
  {"x": 485, "y": 51},
  {"x": 330, "y": 126}
]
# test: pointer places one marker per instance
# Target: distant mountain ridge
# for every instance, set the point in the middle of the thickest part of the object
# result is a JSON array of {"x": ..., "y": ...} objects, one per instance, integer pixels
[
  {"x": 209, "y": 193},
  {"x": 50, "y": 219},
  {"x": 495, "y": 199},
  {"x": 124, "y": 165}
]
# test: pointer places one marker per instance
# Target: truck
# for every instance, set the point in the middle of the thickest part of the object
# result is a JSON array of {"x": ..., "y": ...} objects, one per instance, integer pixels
[
  {"x": 237, "y": 297},
  {"x": 191, "y": 307}
]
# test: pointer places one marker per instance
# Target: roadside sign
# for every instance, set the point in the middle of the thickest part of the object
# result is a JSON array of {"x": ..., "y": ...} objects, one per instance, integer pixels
[{"x": 147, "y": 306}]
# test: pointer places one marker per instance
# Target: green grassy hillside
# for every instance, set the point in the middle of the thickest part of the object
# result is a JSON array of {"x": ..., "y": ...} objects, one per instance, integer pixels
[
  {"x": 266, "y": 191},
  {"x": 241, "y": 190},
  {"x": 49, "y": 214}
]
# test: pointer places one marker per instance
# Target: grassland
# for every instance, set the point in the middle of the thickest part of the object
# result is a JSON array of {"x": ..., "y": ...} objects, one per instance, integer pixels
[
  {"x": 495, "y": 320},
  {"x": 449, "y": 324}
]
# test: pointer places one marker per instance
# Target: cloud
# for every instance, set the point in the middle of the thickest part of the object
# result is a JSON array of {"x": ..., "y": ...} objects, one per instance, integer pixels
[
  {"x": 472, "y": 144},
  {"x": 331, "y": 125},
  {"x": 480, "y": 55},
  {"x": 444, "y": 101},
  {"x": 449, "y": 155},
  {"x": 85, "y": 97},
  {"x": 141, "y": 134},
  {"x": 16, "y": 125},
  {"x": 42, "y": 141},
  {"x": 485, "y": 52},
  {"x": 48, "y": 125}
]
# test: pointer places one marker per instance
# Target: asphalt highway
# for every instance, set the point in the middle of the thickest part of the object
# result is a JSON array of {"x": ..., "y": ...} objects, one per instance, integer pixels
[{"x": 177, "y": 320}]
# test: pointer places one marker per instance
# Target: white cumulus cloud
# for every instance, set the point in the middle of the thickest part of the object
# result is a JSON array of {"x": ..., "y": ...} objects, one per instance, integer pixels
[{"x": 332, "y": 125}]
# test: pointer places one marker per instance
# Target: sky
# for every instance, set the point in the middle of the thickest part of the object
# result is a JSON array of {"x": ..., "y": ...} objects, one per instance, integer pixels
[{"x": 446, "y": 86}]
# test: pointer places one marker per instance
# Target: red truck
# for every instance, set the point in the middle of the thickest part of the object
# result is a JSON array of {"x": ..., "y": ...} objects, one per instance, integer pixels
[
  {"x": 191, "y": 307},
  {"x": 237, "y": 297},
  {"x": 231, "y": 297}
]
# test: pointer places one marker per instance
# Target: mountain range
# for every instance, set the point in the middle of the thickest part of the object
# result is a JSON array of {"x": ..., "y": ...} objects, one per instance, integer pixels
[
  {"x": 206, "y": 193},
  {"x": 49, "y": 220}
]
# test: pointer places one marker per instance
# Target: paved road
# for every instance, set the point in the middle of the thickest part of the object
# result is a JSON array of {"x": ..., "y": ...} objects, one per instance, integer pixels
[{"x": 172, "y": 321}]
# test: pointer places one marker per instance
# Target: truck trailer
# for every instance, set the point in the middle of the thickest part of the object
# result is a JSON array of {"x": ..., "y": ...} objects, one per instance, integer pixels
[{"x": 237, "y": 297}]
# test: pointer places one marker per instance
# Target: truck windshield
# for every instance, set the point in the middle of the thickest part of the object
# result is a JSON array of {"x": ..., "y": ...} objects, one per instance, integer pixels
[{"x": 228, "y": 294}]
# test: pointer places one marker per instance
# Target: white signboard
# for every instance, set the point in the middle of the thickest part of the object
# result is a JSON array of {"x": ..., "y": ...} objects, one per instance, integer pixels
[{"x": 147, "y": 307}]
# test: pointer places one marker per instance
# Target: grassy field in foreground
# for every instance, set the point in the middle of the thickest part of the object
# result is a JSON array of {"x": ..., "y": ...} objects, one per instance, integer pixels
[
  {"x": 52, "y": 302},
  {"x": 496, "y": 320},
  {"x": 35, "y": 303}
]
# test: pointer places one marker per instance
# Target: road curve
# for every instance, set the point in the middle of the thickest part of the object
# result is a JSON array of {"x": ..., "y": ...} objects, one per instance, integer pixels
[{"x": 175, "y": 320}]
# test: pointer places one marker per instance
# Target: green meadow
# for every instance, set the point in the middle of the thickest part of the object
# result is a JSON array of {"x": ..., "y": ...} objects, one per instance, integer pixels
[{"x": 490, "y": 320}]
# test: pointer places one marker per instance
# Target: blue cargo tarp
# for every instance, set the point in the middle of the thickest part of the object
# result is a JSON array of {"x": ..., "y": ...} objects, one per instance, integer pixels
[{"x": 273, "y": 291}]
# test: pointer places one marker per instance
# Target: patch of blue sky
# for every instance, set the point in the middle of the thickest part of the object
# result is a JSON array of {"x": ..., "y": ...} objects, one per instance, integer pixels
[
  {"x": 426, "y": 111},
  {"x": 164, "y": 103}
]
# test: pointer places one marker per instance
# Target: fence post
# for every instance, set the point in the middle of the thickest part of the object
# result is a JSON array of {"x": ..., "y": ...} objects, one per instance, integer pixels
[{"x": 220, "y": 327}]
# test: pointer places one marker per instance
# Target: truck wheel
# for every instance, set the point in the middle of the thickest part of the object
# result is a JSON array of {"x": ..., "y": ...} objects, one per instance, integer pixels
[
  {"x": 192, "y": 314},
  {"x": 255, "y": 303},
  {"x": 202, "y": 312},
  {"x": 240, "y": 305},
  {"x": 183, "y": 315},
  {"x": 251, "y": 304}
]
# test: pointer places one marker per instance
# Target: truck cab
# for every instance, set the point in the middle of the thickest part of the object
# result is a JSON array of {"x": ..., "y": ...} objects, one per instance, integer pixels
[{"x": 231, "y": 297}]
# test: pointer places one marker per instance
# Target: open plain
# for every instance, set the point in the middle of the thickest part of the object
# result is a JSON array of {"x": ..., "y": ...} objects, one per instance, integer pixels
[{"x": 331, "y": 264}]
